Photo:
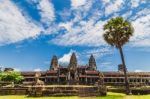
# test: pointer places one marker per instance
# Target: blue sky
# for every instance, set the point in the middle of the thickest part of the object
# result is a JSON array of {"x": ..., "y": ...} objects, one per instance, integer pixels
[{"x": 32, "y": 31}]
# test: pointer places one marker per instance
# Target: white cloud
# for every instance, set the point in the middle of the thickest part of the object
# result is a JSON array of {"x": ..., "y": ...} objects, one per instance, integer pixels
[
  {"x": 37, "y": 69},
  {"x": 113, "y": 7},
  {"x": 81, "y": 11},
  {"x": 84, "y": 32},
  {"x": 106, "y": 63},
  {"x": 141, "y": 42},
  {"x": 87, "y": 33},
  {"x": 14, "y": 26},
  {"x": 80, "y": 32},
  {"x": 66, "y": 57},
  {"x": 142, "y": 31},
  {"x": 65, "y": 14},
  {"x": 67, "y": 25},
  {"x": 138, "y": 70},
  {"x": 127, "y": 14},
  {"x": 47, "y": 11},
  {"x": 17, "y": 69},
  {"x": 77, "y": 3},
  {"x": 17, "y": 27},
  {"x": 98, "y": 52},
  {"x": 105, "y": 2},
  {"x": 136, "y": 3}
]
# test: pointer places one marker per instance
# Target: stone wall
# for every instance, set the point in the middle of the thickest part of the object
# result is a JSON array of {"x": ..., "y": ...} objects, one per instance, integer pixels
[
  {"x": 13, "y": 91},
  {"x": 67, "y": 91},
  {"x": 134, "y": 91},
  {"x": 55, "y": 91}
]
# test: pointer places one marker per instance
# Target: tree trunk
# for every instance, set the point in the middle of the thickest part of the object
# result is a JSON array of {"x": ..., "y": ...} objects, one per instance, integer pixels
[{"x": 125, "y": 71}]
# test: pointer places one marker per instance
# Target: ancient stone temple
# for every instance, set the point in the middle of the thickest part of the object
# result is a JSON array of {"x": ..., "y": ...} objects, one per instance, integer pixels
[
  {"x": 72, "y": 70},
  {"x": 71, "y": 74},
  {"x": 54, "y": 63},
  {"x": 74, "y": 73},
  {"x": 92, "y": 63},
  {"x": 78, "y": 80}
]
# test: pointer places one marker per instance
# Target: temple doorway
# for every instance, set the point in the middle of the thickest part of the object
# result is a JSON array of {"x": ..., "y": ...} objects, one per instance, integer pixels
[{"x": 72, "y": 75}]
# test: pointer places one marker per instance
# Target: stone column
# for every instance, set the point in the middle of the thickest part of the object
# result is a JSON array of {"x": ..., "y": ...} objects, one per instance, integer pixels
[{"x": 86, "y": 80}]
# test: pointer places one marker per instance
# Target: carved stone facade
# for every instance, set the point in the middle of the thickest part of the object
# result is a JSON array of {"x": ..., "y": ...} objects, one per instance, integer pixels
[
  {"x": 87, "y": 74},
  {"x": 72, "y": 70},
  {"x": 71, "y": 74},
  {"x": 54, "y": 63},
  {"x": 92, "y": 63}
]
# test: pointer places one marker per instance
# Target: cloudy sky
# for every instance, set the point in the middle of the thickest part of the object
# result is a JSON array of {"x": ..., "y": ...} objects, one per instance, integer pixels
[{"x": 32, "y": 31}]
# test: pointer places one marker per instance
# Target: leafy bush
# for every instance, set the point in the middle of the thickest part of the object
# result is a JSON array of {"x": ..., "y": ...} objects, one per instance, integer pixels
[{"x": 11, "y": 76}]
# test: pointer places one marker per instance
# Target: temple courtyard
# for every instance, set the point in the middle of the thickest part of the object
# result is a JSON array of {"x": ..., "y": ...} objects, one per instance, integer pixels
[{"x": 109, "y": 96}]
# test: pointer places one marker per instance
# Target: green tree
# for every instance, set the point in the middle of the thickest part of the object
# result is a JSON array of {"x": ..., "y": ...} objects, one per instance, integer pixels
[
  {"x": 11, "y": 76},
  {"x": 117, "y": 33}
]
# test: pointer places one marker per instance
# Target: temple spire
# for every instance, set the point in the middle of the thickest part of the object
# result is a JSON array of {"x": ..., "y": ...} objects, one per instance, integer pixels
[
  {"x": 73, "y": 61},
  {"x": 92, "y": 63},
  {"x": 54, "y": 63}
]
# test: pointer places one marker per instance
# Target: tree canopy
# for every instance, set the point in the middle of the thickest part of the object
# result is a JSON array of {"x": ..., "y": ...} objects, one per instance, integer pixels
[
  {"x": 11, "y": 76},
  {"x": 117, "y": 31}
]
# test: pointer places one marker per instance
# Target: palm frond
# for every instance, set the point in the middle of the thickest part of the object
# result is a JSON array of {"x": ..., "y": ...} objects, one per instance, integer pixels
[{"x": 117, "y": 31}]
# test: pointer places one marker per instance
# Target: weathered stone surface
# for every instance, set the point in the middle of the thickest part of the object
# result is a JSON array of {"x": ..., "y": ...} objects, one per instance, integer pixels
[
  {"x": 92, "y": 63},
  {"x": 54, "y": 63},
  {"x": 68, "y": 91}
]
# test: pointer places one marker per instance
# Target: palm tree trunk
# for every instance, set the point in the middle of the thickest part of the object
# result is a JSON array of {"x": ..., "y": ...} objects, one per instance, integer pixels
[{"x": 125, "y": 71}]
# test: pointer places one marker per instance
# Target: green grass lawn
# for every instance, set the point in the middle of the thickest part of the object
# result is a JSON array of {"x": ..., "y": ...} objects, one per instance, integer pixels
[{"x": 109, "y": 96}]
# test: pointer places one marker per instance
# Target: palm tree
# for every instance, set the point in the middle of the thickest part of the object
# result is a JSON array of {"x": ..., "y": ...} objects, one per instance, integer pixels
[{"x": 117, "y": 33}]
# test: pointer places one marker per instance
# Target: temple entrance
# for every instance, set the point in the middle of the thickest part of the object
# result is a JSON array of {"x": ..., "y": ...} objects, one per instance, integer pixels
[{"x": 72, "y": 76}]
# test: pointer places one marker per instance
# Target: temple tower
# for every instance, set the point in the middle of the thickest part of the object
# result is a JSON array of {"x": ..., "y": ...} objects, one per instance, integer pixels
[
  {"x": 73, "y": 62},
  {"x": 72, "y": 69},
  {"x": 92, "y": 63},
  {"x": 54, "y": 63}
]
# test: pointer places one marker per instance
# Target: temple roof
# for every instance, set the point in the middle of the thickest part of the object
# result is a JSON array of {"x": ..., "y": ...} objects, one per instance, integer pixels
[
  {"x": 62, "y": 75},
  {"x": 32, "y": 72},
  {"x": 91, "y": 72},
  {"x": 63, "y": 67},
  {"x": 82, "y": 75},
  {"x": 129, "y": 73},
  {"x": 79, "y": 66},
  {"x": 82, "y": 66},
  {"x": 28, "y": 73},
  {"x": 51, "y": 71}
]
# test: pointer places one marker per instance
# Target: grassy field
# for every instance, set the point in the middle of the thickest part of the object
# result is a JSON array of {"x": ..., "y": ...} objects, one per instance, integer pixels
[{"x": 109, "y": 96}]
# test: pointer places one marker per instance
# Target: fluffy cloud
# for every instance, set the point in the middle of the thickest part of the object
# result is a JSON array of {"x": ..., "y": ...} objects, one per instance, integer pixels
[
  {"x": 89, "y": 32},
  {"x": 84, "y": 32},
  {"x": 37, "y": 70},
  {"x": 105, "y": 2},
  {"x": 136, "y": 3},
  {"x": 65, "y": 58},
  {"x": 14, "y": 26},
  {"x": 77, "y": 3},
  {"x": 17, "y": 69},
  {"x": 113, "y": 7},
  {"x": 138, "y": 70},
  {"x": 142, "y": 31},
  {"x": 98, "y": 52},
  {"x": 47, "y": 11},
  {"x": 83, "y": 25}
]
